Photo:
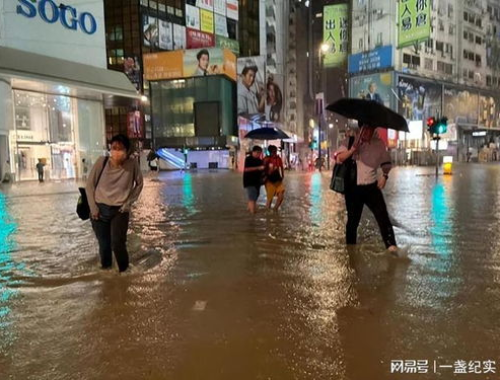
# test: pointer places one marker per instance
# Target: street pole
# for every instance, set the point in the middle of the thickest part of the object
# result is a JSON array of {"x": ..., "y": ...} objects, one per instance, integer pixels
[
  {"x": 319, "y": 140},
  {"x": 437, "y": 155},
  {"x": 321, "y": 108}
]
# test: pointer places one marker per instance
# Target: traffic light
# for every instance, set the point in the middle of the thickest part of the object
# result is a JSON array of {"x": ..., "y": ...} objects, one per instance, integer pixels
[
  {"x": 431, "y": 125},
  {"x": 442, "y": 126},
  {"x": 437, "y": 127}
]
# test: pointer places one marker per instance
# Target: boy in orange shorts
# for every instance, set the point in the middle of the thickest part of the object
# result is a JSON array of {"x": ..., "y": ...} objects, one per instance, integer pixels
[{"x": 274, "y": 177}]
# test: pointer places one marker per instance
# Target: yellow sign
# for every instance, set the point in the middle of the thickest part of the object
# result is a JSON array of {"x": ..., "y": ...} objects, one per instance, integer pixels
[
  {"x": 207, "y": 21},
  {"x": 188, "y": 63},
  {"x": 167, "y": 65}
]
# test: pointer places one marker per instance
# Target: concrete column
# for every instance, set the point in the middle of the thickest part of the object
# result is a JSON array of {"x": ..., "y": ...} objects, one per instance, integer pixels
[{"x": 6, "y": 125}]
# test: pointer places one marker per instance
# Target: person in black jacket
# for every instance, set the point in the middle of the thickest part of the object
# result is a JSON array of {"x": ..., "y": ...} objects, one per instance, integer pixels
[{"x": 252, "y": 177}]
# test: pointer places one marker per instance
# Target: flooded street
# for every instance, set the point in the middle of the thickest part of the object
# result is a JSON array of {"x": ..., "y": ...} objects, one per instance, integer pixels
[{"x": 215, "y": 293}]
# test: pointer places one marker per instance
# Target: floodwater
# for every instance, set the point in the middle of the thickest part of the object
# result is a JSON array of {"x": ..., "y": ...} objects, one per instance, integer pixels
[{"x": 215, "y": 293}]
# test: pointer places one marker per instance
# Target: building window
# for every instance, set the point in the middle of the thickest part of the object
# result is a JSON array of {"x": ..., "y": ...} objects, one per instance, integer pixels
[
  {"x": 479, "y": 22},
  {"x": 440, "y": 66},
  {"x": 450, "y": 10},
  {"x": 466, "y": 16},
  {"x": 429, "y": 64},
  {"x": 465, "y": 73},
  {"x": 488, "y": 80},
  {"x": 471, "y": 74},
  {"x": 448, "y": 68},
  {"x": 439, "y": 46},
  {"x": 406, "y": 58},
  {"x": 415, "y": 61},
  {"x": 379, "y": 39},
  {"x": 360, "y": 44},
  {"x": 478, "y": 40},
  {"x": 478, "y": 60}
]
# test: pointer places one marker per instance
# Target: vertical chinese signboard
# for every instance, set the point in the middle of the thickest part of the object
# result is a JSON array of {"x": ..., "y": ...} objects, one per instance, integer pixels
[
  {"x": 414, "y": 20},
  {"x": 335, "y": 34}
]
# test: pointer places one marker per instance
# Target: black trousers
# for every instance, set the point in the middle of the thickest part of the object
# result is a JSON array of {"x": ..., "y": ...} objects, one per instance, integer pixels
[
  {"x": 111, "y": 233},
  {"x": 370, "y": 195},
  {"x": 40, "y": 176}
]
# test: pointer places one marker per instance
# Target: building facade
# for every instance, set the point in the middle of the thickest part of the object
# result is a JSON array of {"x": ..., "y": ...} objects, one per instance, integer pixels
[
  {"x": 454, "y": 73},
  {"x": 139, "y": 28},
  {"x": 54, "y": 88}
]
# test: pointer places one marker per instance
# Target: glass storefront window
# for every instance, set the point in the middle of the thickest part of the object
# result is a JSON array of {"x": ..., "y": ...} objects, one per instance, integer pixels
[
  {"x": 56, "y": 130},
  {"x": 173, "y": 105}
]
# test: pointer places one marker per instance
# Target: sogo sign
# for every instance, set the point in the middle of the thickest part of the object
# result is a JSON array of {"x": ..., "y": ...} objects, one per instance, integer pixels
[{"x": 51, "y": 13}]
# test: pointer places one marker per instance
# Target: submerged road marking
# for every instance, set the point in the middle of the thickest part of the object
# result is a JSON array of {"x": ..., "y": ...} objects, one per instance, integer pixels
[{"x": 200, "y": 305}]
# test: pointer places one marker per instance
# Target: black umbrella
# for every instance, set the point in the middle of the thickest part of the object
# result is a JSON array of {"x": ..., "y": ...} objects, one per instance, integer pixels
[
  {"x": 267, "y": 134},
  {"x": 369, "y": 112}
]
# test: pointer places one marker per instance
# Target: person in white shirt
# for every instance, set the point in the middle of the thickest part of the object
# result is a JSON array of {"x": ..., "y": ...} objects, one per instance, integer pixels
[
  {"x": 248, "y": 103},
  {"x": 369, "y": 154}
]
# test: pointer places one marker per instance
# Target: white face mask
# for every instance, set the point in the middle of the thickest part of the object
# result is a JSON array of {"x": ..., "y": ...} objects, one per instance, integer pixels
[{"x": 118, "y": 155}]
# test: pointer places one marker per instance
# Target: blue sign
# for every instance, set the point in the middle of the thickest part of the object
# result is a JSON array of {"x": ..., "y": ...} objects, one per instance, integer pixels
[
  {"x": 51, "y": 13},
  {"x": 376, "y": 59}
]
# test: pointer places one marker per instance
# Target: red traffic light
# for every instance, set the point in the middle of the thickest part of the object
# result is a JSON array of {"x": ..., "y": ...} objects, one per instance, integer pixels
[{"x": 431, "y": 121}]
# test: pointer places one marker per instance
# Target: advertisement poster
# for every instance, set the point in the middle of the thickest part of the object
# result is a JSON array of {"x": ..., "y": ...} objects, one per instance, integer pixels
[
  {"x": 376, "y": 87},
  {"x": 488, "y": 112},
  {"x": 166, "y": 35},
  {"x": 207, "y": 21},
  {"x": 132, "y": 70},
  {"x": 418, "y": 100},
  {"x": 461, "y": 106},
  {"x": 205, "y": 4},
  {"x": 260, "y": 96},
  {"x": 134, "y": 129},
  {"x": 232, "y": 9},
  {"x": 192, "y": 17},
  {"x": 335, "y": 34},
  {"x": 189, "y": 63},
  {"x": 196, "y": 39},
  {"x": 220, "y": 7},
  {"x": 221, "y": 26},
  {"x": 166, "y": 65},
  {"x": 179, "y": 37},
  {"x": 414, "y": 20},
  {"x": 151, "y": 31},
  {"x": 227, "y": 43}
]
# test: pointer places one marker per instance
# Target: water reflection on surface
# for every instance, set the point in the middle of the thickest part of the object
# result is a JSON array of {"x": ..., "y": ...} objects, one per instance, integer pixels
[{"x": 281, "y": 297}]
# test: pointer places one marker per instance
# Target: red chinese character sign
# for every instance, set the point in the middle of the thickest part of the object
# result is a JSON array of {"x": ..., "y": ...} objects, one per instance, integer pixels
[
  {"x": 414, "y": 22},
  {"x": 197, "y": 39}
]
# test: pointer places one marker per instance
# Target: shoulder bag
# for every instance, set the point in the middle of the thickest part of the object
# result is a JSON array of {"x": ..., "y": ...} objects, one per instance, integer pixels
[
  {"x": 344, "y": 175},
  {"x": 82, "y": 207}
]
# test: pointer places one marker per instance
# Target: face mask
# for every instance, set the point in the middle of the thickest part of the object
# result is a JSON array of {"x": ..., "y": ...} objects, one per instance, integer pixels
[{"x": 118, "y": 155}]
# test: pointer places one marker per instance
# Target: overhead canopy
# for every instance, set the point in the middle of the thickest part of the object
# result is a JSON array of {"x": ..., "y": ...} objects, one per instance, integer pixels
[{"x": 20, "y": 64}]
